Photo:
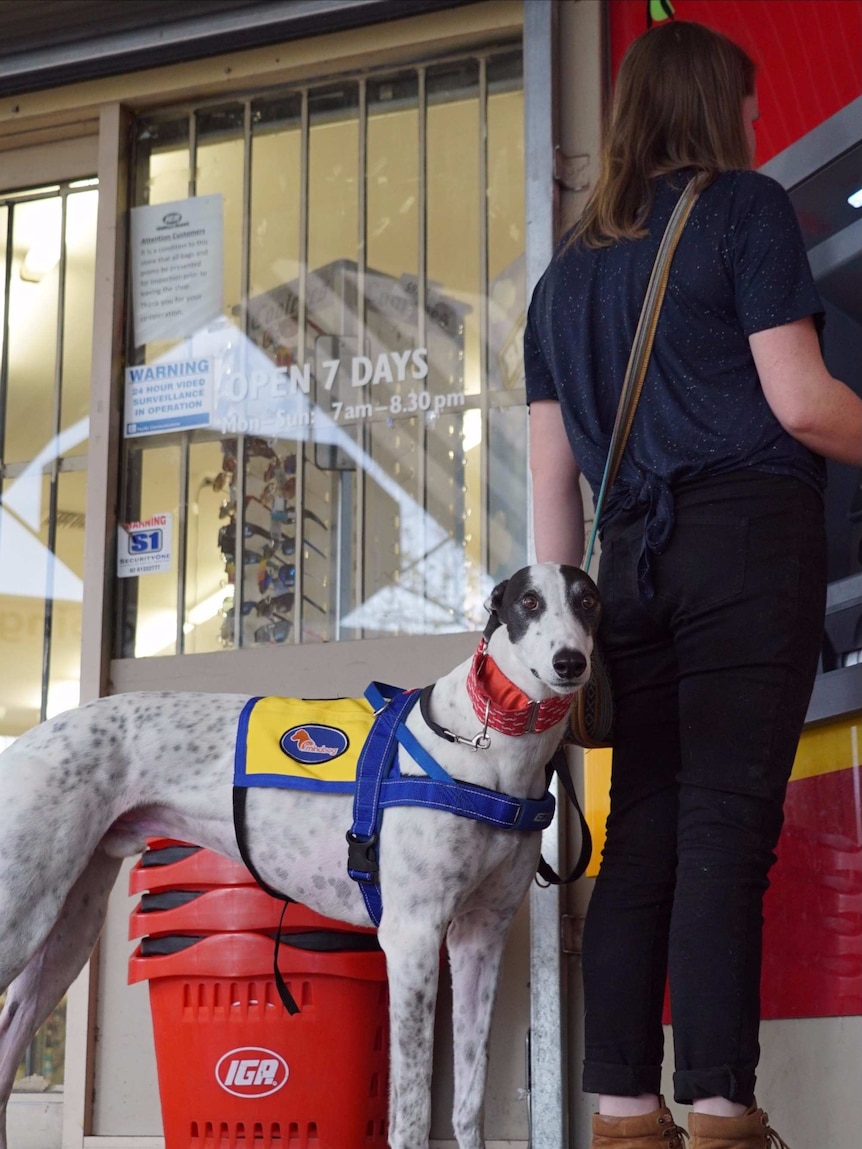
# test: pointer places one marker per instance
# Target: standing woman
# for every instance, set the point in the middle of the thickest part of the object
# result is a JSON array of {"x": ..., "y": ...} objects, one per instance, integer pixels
[{"x": 712, "y": 571}]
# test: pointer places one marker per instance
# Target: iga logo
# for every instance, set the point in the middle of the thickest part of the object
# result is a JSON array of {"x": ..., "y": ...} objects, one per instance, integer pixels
[{"x": 251, "y": 1071}]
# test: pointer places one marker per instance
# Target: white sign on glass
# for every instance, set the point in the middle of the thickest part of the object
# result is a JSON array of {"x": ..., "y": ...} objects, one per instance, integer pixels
[
  {"x": 177, "y": 258},
  {"x": 144, "y": 547},
  {"x": 168, "y": 395}
]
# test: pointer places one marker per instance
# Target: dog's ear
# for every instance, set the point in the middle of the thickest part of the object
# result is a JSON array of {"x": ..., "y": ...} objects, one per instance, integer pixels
[{"x": 495, "y": 599}]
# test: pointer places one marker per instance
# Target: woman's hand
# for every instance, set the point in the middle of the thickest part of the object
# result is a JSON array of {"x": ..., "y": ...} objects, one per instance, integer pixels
[
  {"x": 807, "y": 401},
  {"x": 558, "y": 509}
]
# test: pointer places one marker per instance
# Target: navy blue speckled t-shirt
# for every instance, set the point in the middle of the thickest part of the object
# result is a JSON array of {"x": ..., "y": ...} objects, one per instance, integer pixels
[{"x": 740, "y": 268}]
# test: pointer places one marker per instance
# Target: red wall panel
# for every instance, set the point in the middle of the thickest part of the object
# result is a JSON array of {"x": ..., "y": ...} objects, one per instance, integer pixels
[
  {"x": 808, "y": 53},
  {"x": 812, "y": 941},
  {"x": 812, "y": 937}
]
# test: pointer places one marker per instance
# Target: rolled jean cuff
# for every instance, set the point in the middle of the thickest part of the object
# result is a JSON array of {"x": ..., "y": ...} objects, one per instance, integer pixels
[
  {"x": 621, "y": 1080},
  {"x": 719, "y": 1081}
]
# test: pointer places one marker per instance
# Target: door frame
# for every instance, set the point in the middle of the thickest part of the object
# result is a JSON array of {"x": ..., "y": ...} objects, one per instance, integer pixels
[{"x": 41, "y": 165}]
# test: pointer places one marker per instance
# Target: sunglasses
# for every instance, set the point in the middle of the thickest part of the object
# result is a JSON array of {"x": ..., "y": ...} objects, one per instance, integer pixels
[
  {"x": 280, "y": 468},
  {"x": 227, "y": 535},
  {"x": 249, "y": 559},
  {"x": 227, "y": 510},
  {"x": 253, "y": 446},
  {"x": 283, "y": 575},
  {"x": 274, "y": 632},
  {"x": 279, "y": 605}
]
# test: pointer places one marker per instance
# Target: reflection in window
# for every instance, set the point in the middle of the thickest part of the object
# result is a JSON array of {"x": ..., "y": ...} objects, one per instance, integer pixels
[
  {"x": 360, "y": 468},
  {"x": 47, "y": 267}
]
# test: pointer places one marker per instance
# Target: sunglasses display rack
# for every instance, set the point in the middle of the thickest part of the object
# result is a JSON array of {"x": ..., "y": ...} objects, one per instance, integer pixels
[
  {"x": 274, "y": 526},
  {"x": 263, "y": 560}
]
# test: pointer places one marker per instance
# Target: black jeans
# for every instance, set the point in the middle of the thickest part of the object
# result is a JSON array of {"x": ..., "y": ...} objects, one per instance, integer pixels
[{"x": 711, "y": 682}]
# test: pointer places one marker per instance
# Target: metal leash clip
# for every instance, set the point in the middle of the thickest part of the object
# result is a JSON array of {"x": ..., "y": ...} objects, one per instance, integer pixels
[{"x": 479, "y": 741}]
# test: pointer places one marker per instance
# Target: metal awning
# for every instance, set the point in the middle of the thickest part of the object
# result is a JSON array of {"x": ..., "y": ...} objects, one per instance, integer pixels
[{"x": 47, "y": 43}]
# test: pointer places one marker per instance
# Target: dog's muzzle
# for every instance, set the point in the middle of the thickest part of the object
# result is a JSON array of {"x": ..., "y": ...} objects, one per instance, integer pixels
[{"x": 569, "y": 664}]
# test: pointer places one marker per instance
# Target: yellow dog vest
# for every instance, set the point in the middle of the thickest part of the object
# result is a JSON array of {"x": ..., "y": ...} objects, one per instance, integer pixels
[{"x": 307, "y": 744}]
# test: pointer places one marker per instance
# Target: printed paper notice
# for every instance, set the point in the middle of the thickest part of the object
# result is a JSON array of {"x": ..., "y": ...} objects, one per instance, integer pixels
[
  {"x": 171, "y": 395},
  {"x": 177, "y": 255},
  {"x": 144, "y": 547}
]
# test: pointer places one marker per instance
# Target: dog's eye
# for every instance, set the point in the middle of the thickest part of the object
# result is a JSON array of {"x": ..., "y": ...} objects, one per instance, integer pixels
[
  {"x": 530, "y": 602},
  {"x": 589, "y": 601}
]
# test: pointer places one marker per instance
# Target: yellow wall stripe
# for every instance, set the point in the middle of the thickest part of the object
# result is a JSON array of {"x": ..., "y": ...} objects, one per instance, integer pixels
[
  {"x": 822, "y": 750},
  {"x": 827, "y": 748}
]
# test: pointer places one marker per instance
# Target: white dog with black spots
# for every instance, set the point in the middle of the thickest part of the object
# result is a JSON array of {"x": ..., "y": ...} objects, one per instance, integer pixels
[{"x": 86, "y": 789}]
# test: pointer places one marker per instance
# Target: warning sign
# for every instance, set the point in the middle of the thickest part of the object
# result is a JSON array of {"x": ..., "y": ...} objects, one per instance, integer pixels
[
  {"x": 168, "y": 396},
  {"x": 144, "y": 547}
]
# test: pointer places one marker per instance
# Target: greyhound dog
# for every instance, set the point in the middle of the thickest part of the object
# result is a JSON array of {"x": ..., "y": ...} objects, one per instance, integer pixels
[{"x": 87, "y": 788}]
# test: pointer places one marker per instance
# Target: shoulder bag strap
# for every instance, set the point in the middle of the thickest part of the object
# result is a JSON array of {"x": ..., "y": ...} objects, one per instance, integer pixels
[{"x": 641, "y": 350}]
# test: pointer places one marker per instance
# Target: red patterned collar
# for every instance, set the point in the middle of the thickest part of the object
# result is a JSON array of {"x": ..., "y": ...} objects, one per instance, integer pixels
[{"x": 503, "y": 706}]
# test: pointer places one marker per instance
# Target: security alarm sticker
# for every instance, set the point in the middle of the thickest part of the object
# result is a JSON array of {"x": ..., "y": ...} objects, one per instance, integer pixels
[
  {"x": 144, "y": 547},
  {"x": 251, "y": 1071}
]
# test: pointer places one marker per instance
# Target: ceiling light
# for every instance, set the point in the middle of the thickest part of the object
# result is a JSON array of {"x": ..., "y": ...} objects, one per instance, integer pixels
[
  {"x": 855, "y": 200},
  {"x": 41, "y": 259}
]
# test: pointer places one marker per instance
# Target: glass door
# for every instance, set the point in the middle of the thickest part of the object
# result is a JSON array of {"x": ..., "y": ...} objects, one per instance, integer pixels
[
  {"x": 325, "y": 430},
  {"x": 47, "y": 263}
]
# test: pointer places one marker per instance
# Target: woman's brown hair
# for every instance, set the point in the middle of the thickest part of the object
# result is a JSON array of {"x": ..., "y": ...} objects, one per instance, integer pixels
[{"x": 677, "y": 104}]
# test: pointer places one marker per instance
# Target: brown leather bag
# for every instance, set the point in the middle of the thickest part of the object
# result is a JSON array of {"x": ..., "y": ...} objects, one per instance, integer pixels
[{"x": 592, "y": 716}]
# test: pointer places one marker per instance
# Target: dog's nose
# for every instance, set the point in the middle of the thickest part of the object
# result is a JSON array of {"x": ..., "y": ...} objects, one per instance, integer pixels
[{"x": 569, "y": 664}]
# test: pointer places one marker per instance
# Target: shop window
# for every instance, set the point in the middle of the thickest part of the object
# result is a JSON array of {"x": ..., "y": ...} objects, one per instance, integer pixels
[
  {"x": 47, "y": 268},
  {"x": 324, "y": 428}
]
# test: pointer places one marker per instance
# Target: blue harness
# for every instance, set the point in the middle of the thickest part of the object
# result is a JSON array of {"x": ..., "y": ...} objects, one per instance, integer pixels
[{"x": 380, "y": 783}]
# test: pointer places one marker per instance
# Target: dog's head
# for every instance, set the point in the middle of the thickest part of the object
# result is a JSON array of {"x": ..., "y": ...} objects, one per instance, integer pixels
[{"x": 547, "y": 615}]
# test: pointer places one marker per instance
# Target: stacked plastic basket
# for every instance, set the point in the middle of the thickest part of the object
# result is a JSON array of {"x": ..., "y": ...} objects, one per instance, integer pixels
[{"x": 235, "y": 1070}]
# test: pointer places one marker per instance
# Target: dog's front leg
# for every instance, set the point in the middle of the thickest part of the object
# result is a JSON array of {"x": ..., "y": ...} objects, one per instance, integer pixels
[
  {"x": 412, "y": 951},
  {"x": 475, "y": 943}
]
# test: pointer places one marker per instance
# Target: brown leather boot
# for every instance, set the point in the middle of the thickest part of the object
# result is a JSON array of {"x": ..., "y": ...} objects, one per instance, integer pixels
[
  {"x": 750, "y": 1131},
  {"x": 656, "y": 1130}
]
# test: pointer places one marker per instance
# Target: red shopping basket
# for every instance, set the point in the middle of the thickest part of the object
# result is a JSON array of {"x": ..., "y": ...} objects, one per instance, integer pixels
[
  {"x": 236, "y": 1072},
  {"x": 169, "y": 864},
  {"x": 231, "y": 909}
]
